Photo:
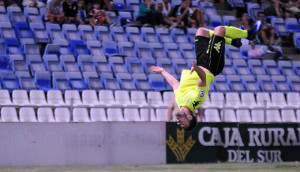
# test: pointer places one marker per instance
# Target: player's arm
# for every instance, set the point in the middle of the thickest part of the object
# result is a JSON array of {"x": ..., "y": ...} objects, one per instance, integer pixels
[
  {"x": 201, "y": 74},
  {"x": 170, "y": 79}
]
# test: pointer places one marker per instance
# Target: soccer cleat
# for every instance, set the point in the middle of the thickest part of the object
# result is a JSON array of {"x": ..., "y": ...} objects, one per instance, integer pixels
[{"x": 252, "y": 32}]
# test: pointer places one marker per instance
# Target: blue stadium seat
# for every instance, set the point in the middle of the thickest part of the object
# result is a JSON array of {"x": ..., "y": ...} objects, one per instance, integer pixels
[
  {"x": 204, "y": 4},
  {"x": 296, "y": 38},
  {"x": 175, "y": 2},
  {"x": 271, "y": 67},
  {"x": 102, "y": 64},
  {"x": 110, "y": 48},
  {"x": 64, "y": 48},
  {"x": 18, "y": 63},
  {"x": 252, "y": 9},
  {"x": 163, "y": 35},
  {"x": 266, "y": 83},
  {"x": 86, "y": 32},
  {"x": 109, "y": 82},
  {"x": 92, "y": 80},
  {"x": 39, "y": 32},
  {"x": 4, "y": 62},
  {"x": 43, "y": 13},
  {"x": 127, "y": 49},
  {"x": 117, "y": 65},
  {"x": 241, "y": 67},
  {"x": 68, "y": 63},
  {"x": 71, "y": 32},
  {"x": 32, "y": 15},
  {"x": 133, "y": 5},
  {"x": 179, "y": 36},
  {"x": 156, "y": 82},
  {"x": 209, "y": 10},
  {"x": 26, "y": 82},
  {"x": 166, "y": 64},
  {"x": 2, "y": 47},
  {"x": 158, "y": 50},
  {"x": 3, "y": 16},
  {"x": 15, "y": 14},
  {"x": 12, "y": 46},
  {"x": 52, "y": 63},
  {"x": 125, "y": 81},
  {"x": 142, "y": 49},
  {"x": 42, "y": 81},
  {"x": 9, "y": 80},
  {"x": 250, "y": 83},
  {"x": 221, "y": 84},
  {"x": 279, "y": 25},
  {"x": 6, "y": 30},
  {"x": 236, "y": 83},
  {"x": 134, "y": 65},
  {"x": 60, "y": 81},
  {"x": 179, "y": 65},
  {"x": 236, "y": 3},
  {"x": 54, "y": 31},
  {"x": 296, "y": 67},
  {"x": 232, "y": 52},
  {"x": 76, "y": 81},
  {"x": 134, "y": 34},
  {"x": 125, "y": 16},
  {"x": 191, "y": 32},
  {"x": 281, "y": 83},
  {"x": 29, "y": 46},
  {"x": 94, "y": 47},
  {"x": 214, "y": 21},
  {"x": 141, "y": 81},
  {"x": 119, "y": 5},
  {"x": 149, "y": 34},
  {"x": 294, "y": 82},
  {"x": 292, "y": 25},
  {"x": 112, "y": 16},
  {"x": 256, "y": 67},
  {"x": 244, "y": 50},
  {"x": 78, "y": 47},
  {"x": 228, "y": 67},
  {"x": 187, "y": 50},
  {"x": 36, "y": 64},
  {"x": 230, "y": 20},
  {"x": 118, "y": 34},
  {"x": 102, "y": 33},
  {"x": 52, "y": 49},
  {"x": 286, "y": 68},
  {"x": 86, "y": 63},
  {"x": 22, "y": 30},
  {"x": 172, "y": 50},
  {"x": 147, "y": 63}
]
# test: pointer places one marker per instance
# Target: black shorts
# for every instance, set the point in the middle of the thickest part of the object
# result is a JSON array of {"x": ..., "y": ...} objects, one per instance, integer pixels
[{"x": 210, "y": 53}]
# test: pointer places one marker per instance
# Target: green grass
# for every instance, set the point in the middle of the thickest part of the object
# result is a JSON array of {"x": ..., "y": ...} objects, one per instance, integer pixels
[{"x": 287, "y": 166}]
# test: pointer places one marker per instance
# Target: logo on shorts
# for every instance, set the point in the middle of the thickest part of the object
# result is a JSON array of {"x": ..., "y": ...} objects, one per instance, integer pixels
[
  {"x": 201, "y": 94},
  {"x": 196, "y": 40},
  {"x": 218, "y": 46}
]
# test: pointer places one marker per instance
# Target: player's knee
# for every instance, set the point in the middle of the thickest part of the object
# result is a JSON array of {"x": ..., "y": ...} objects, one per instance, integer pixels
[
  {"x": 202, "y": 32},
  {"x": 220, "y": 31}
]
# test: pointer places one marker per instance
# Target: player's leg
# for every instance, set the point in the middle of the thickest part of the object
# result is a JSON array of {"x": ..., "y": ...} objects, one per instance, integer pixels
[
  {"x": 234, "y": 32},
  {"x": 234, "y": 42}
]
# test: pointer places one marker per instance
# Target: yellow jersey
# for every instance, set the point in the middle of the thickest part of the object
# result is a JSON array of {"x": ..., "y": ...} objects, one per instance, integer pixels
[{"x": 189, "y": 94}]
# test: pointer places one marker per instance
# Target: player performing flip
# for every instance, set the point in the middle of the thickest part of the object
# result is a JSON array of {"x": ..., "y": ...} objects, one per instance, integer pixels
[{"x": 193, "y": 88}]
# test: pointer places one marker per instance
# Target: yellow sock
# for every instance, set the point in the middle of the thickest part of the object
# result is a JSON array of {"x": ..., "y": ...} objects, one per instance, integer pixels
[
  {"x": 233, "y": 32},
  {"x": 227, "y": 40}
]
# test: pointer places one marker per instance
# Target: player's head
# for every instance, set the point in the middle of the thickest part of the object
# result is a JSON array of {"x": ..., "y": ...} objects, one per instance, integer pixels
[
  {"x": 261, "y": 16},
  {"x": 188, "y": 123}
]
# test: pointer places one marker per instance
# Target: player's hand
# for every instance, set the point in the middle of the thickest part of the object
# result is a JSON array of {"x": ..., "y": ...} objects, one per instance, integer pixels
[
  {"x": 157, "y": 69},
  {"x": 193, "y": 67}
]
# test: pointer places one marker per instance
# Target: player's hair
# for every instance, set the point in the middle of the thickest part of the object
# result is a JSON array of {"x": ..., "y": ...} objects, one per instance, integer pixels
[
  {"x": 193, "y": 124},
  {"x": 260, "y": 12}
]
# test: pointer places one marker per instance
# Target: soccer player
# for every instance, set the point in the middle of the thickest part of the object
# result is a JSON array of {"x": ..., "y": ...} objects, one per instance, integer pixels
[{"x": 193, "y": 88}]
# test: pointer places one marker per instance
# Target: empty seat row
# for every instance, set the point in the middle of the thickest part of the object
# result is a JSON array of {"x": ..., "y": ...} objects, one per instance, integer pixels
[
  {"x": 46, "y": 114},
  {"x": 105, "y": 98},
  {"x": 255, "y": 116}
]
